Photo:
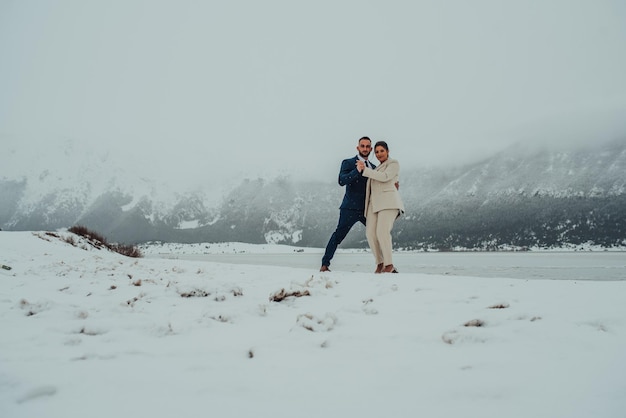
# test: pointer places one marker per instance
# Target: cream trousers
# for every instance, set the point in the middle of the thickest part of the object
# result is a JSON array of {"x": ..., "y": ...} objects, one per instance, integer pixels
[{"x": 378, "y": 232}]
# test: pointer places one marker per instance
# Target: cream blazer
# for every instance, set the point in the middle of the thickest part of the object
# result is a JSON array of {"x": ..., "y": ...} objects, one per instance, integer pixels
[{"x": 381, "y": 190}]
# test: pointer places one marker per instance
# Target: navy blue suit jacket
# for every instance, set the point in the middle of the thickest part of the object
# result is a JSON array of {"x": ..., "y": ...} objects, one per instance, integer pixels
[{"x": 355, "y": 183}]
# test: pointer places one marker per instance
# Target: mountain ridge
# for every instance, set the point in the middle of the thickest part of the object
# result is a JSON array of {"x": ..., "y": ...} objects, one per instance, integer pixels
[{"x": 513, "y": 198}]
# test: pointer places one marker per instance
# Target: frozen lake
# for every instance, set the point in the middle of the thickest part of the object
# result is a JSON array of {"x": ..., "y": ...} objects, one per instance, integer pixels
[{"x": 598, "y": 266}]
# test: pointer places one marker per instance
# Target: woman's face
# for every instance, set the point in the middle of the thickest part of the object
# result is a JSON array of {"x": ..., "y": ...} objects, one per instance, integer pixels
[{"x": 381, "y": 153}]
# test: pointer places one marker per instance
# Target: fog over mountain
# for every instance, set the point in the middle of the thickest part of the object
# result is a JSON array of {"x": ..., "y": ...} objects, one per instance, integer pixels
[
  {"x": 211, "y": 92},
  {"x": 520, "y": 197}
]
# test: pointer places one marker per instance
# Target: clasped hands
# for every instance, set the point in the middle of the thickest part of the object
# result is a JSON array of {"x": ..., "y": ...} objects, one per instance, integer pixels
[{"x": 360, "y": 165}]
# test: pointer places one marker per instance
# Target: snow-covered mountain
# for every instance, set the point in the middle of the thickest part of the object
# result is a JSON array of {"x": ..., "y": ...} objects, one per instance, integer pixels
[
  {"x": 523, "y": 196},
  {"x": 62, "y": 186},
  {"x": 582, "y": 172}
]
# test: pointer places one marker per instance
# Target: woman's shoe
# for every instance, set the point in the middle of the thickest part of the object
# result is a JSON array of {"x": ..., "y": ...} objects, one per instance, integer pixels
[
  {"x": 389, "y": 269},
  {"x": 379, "y": 268}
]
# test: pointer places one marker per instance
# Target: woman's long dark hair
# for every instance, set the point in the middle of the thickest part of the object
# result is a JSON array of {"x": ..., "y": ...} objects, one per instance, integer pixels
[{"x": 382, "y": 144}]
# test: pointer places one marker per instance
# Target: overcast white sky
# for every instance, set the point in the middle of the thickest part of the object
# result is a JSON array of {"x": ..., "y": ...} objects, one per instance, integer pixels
[{"x": 225, "y": 88}]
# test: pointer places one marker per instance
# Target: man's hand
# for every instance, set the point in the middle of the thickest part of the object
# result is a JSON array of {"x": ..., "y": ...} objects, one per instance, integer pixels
[{"x": 360, "y": 165}]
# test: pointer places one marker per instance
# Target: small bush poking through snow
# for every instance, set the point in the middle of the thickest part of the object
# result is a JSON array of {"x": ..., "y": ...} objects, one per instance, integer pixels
[
  {"x": 475, "y": 323},
  {"x": 70, "y": 240},
  {"x": 98, "y": 241},
  {"x": 313, "y": 323},
  {"x": 127, "y": 250},
  {"x": 282, "y": 294},
  {"x": 195, "y": 293},
  {"x": 499, "y": 306}
]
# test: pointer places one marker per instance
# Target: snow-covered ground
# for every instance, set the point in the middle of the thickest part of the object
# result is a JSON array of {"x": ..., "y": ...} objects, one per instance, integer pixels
[{"x": 89, "y": 333}]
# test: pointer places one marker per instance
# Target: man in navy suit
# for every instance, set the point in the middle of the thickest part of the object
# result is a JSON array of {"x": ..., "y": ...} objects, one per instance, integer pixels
[{"x": 352, "y": 209}]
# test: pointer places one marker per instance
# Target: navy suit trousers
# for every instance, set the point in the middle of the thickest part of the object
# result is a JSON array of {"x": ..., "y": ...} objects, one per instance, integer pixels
[{"x": 347, "y": 219}]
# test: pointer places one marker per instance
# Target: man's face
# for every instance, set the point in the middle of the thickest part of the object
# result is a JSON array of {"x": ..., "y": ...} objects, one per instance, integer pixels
[{"x": 364, "y": 148}]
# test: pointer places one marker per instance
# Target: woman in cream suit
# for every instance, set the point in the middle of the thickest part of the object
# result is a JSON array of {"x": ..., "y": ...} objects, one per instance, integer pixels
[{"x": 382, "y": 206}]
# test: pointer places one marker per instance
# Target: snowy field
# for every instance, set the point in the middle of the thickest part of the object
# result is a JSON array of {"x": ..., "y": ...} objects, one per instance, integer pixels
[{"x": 89, "y": 333}]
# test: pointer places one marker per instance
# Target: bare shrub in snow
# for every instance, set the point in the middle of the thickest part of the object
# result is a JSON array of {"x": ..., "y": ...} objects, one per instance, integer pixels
[
  {"x": 131, "y": 302},
  {"x": 475, "y": 323},
  {"x": 282, "y": 294},
  {"x": 98, "y": 241},
  {"x": 127, "y": 250},
  {"x": 310, "y": 322},
  {"x": 195, "y": 293}
]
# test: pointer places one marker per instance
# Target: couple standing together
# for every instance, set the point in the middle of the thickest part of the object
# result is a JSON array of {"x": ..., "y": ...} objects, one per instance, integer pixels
[{"x": 371, "y": 198}]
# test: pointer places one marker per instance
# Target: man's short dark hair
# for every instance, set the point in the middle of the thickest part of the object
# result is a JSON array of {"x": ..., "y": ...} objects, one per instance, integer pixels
[{"x": 364, "y": 137}]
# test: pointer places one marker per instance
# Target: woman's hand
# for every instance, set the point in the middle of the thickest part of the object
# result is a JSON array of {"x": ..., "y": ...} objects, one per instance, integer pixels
[{"x": 360, "y": 165}]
